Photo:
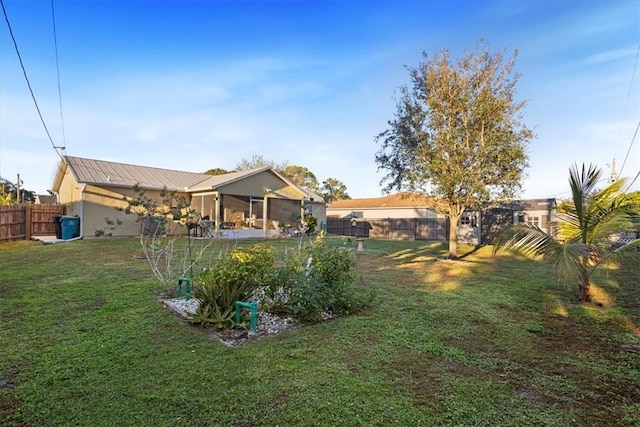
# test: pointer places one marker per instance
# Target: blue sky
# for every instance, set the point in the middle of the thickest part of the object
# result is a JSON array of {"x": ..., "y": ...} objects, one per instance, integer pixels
[{"x": 194, "y": 85}]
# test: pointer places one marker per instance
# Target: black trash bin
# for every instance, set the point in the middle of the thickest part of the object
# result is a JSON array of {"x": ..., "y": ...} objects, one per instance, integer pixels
[{"x": 58, "y": 226}]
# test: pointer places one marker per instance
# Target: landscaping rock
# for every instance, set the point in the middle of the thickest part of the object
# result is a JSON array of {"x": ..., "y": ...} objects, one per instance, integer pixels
[{"x": 268, "y": 323}]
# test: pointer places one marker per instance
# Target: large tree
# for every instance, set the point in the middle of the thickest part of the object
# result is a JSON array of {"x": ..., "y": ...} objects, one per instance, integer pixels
[
  {"x": 458, "y": 133},
  {"x": 301, "y": 176},
  {"x": 258, "y": 161},
  {"x": 217, "y": 171},
  {"x": 333, "y": 189},
  {"x": 588, "y": 223}
]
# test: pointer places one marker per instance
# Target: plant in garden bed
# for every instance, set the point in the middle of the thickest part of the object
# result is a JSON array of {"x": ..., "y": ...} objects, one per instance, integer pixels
[
  {"x": 235, "y": 278},
  {"x": 316, "y": 280},
  {"x": 161, "y": 220},
  {"x": 313, "y": 282}
]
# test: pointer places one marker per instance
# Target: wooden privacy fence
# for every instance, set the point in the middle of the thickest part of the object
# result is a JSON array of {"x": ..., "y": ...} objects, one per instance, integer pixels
[
  {"x": 20, "y": 222},
  {"x": 391, "y": 228}
]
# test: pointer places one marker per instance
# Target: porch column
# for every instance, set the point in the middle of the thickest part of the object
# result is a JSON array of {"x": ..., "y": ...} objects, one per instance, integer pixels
[
  {"x": 265, "y": 210},
  {"x": 216, "y": 210}
]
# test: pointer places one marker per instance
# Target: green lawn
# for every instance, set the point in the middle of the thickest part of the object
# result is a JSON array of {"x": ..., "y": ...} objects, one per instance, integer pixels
[{"x": 482, "y": 341}]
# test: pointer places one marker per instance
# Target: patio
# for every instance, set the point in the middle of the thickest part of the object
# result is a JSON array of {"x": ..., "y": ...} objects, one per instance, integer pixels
[{"x": 236, "y": 216}]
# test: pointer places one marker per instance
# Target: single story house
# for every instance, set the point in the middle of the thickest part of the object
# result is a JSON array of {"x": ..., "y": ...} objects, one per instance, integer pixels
[
  {"x": 45, "y": 199},
  {"x": 538, "y": 212},
  {"x": 252, "y": 203},
  {"x": 400, "y": 216},
  {"x": 414, "y": 217}
]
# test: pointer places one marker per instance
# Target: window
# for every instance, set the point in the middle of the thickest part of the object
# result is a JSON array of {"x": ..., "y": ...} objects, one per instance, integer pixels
[
  {"x": 533, "y": 220},
  {"x": 470, "y": 220}
]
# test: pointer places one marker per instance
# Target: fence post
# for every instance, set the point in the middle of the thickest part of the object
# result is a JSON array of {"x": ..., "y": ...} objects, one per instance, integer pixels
[{"x": 28, "y": 219}]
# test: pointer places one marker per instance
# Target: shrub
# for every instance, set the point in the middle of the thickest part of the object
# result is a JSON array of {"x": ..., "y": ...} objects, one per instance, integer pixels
[
  {"x": 316, "y": 280},
  {"x": 311, "y": 223},
  {"x": 235, "y": 278},
  {"x": 107, "y": 231}
]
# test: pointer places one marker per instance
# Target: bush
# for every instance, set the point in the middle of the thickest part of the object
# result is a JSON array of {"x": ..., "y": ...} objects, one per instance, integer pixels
[
  {"x": 315, "y": 281},
  {"x": 235, "y": 278},
  {"x": 311, "y": 223}
]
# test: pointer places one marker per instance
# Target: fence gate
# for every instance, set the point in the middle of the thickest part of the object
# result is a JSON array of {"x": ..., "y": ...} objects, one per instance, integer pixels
[{"x": 20, "y": 222}]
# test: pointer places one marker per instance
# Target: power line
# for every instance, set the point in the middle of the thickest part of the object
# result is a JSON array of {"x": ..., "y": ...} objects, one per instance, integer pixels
[
  {"x": 55, "y": 43},
  {"x": 633, "y": 75},
  {"x": 630, "y": 145},
  {"x": 632, "y": 182},
  {"x": 24, "y": 72}
]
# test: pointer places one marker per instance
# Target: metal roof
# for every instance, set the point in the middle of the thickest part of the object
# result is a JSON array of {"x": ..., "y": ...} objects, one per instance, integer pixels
[
  {"x": 100, "y": 172},
  {"x": 216, "y": 181}
]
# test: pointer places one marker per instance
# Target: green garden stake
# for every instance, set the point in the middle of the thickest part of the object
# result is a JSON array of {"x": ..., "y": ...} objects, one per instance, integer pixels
[
  {"x": 253, "y": 307},
  {"x": 187, "y": 293}
]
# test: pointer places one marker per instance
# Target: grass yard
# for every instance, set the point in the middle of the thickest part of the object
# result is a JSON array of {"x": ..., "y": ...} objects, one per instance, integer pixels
[{"x": 482, "y": 341}]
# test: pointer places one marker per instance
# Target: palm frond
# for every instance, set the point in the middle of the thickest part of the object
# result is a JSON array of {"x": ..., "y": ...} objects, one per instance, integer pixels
[
  {"x": 587, "y": 224},
  {"x": 524, "y": 238},
  {"x": 627, "y": 254},
  {"x": 582, "y": 183},
  {"x": 569, "y": 260}
]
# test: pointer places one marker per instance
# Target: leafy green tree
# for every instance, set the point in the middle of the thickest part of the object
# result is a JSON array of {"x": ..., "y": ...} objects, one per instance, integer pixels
[
  {"x": 217, "y": 171},
  {"x": 334, "y": 189},
  {"x": 588, "y": 224},
  {"x": 302, "y": 177},
  {"x": 457, "y": 134},
  {"x": 9, "y": 193},
  {"x": 258, "y": 161}
]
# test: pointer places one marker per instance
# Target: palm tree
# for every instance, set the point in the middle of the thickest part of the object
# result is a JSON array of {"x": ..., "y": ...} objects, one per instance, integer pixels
[{"x": 587, "y": 224}]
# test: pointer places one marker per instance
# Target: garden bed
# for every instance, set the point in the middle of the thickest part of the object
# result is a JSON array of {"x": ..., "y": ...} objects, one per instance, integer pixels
[{"x": 268, "y": 323}]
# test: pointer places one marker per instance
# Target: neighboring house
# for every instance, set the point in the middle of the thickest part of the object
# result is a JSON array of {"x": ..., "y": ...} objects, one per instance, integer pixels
[
  {"x": 392, "y": 206},
  {"x": 45, "y": 199},
  {"x": 538, "y": 212},
  {"x": 251, "y": 202},
  {"x": 399, "y": 216},
  {"x": 414, "y": 217}
]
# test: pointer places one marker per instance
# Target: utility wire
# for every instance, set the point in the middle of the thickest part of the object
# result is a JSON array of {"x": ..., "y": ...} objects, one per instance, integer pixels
[
  {"x": 630, "y": 145},
  {"x": 24, "y": 72},
  {"x": 55, "y": 43},
  {"x": 633, "y": 75},
  {"x": 632, "y": 182}
]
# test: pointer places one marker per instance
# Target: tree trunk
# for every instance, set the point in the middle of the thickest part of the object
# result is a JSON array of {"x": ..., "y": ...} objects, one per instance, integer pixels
[
  {"x": 584, "y": 295},
  {"x": 453, "y": 236}
]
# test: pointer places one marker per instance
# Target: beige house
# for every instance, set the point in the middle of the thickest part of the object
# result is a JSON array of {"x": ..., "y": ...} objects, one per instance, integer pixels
[
  {"x": 402, "y": 216},
  {"x": 252, "y": 203},
  {"x": 474, "y": 227},
  {"x": 391, "y": 206}
]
